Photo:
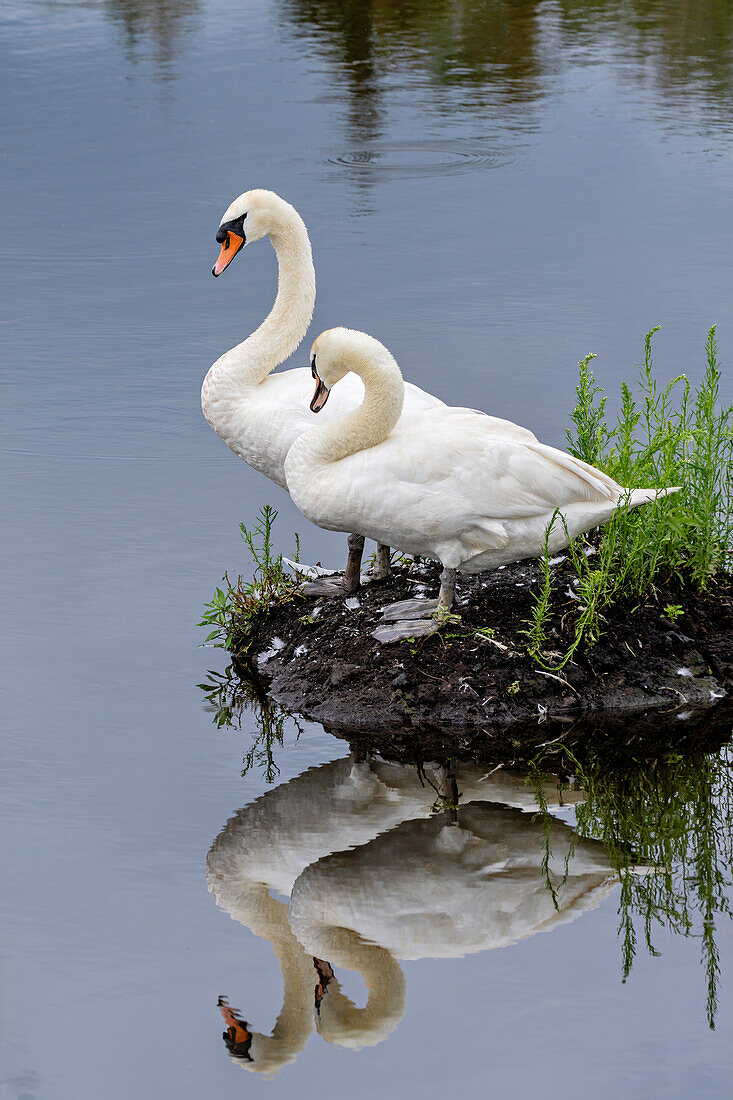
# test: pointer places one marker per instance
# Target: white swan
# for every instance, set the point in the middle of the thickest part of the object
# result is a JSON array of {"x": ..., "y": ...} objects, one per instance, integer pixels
[
  {"x": 454, "y": 484},
  {"x": 265, "y": 847},
  {"x": 438, "y": 888},
  {"x": 256, "y": 413},
  {"x": 267, "y": 844}
]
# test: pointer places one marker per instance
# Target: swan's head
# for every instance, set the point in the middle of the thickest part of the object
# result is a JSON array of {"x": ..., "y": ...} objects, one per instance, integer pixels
[
  {"x": 253, "y": 215},
  {"x": 249, "y": 1049},
  {"x": 237, "y": 1037},
  {"x": 336, "y": 352}
]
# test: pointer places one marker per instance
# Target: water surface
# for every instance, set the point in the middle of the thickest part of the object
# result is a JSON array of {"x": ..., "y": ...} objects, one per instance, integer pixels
[{"x": 493, "y": 190}]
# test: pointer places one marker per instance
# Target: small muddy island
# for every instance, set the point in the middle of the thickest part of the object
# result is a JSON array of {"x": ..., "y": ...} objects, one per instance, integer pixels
[
  {"x": 631, "y": 617},
  {"x": 319, "y": 658}
]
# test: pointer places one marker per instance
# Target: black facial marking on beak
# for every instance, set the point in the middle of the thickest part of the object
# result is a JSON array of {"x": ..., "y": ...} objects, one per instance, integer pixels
[
  {"x": 320, "y": 397},
  {"x": 236, "y": 225}
]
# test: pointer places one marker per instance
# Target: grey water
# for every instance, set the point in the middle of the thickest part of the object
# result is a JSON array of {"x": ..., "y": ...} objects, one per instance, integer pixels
[{"x": 494, "y": 190}]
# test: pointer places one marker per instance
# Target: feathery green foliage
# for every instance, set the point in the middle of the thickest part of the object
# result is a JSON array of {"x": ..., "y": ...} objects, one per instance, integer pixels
[
  {"x": 536, "y": 632},
  {"x": 664, "y": 436}
]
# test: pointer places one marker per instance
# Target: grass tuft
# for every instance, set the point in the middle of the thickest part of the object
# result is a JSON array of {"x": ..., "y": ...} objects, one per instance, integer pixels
[
  {"x": 664, "y": 436},
  {"x": 234, "y": 608}
]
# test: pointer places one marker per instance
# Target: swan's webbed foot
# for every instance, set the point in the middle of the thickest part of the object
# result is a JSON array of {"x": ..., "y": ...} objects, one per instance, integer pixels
[
  {"x": 336, "y": 584},
  {"x": 388, "y": 632},
  {"x": 382, "y": 563},
  {"x": 330, "y": 585},
  {"x": 417, "y": 618},
  {"x": 409, "y": 609}
]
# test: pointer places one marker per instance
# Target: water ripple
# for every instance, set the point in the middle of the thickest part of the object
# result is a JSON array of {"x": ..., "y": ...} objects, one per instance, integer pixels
[{"x": 418, "y": 159}]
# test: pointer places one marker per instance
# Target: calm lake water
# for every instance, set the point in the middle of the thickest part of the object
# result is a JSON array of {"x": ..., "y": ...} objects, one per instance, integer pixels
[{"x": 493, "y": 189}]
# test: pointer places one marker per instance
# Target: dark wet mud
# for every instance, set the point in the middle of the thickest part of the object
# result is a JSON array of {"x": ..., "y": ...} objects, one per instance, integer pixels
[{"x": 318, "y": 658}]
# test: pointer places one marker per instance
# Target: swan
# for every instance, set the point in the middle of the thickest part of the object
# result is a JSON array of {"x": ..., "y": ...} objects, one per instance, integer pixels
[
  {"x": 259, "y": 414},
  {"x": 445, "y": 887},
  {"x": 265, "y": 847},
  {"x": 471, "y": 490}
]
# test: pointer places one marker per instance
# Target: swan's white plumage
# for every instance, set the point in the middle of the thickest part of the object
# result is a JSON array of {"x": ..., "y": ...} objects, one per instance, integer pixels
[
  {"x": 454, "y": 484},
  {"x": 256, "y": 413},
  {"x": 265, "y": 847},
  {"x": 434, "y": 889},
  {"x": 431, "y": 889}
]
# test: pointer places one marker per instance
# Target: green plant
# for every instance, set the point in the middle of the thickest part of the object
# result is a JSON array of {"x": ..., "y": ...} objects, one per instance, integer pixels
[
  {"x": 673, "y": 612},
  {"x": 591, "y": 438},
  {"x": 234, "y": 608},
  {"x": 667, "y": 436},
  {"x": 536, "y": 632},
  {"x": 444, "y": 615},
  {"x": 513, "y": 688}
]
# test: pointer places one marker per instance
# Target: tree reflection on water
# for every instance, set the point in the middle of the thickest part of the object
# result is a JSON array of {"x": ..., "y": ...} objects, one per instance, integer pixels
[
  {"x": 156, "y": 24},
  {"x": 492, "y": 55}
]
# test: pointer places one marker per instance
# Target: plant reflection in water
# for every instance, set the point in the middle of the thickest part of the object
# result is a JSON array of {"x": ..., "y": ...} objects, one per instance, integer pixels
[
  {"x": 384, "y": 861},
  {"x": 228, "y": 698},
  {"x": 675, "y": 814}
]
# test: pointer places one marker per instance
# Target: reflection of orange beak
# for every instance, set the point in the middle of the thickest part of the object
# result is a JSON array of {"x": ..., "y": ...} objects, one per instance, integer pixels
[
  {"x": 237, "y": 1037},
  {"x": 229, "y": 250}
]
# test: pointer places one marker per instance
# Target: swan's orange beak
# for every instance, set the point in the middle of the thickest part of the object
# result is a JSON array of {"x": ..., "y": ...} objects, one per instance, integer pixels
[
  {"x": 229, "y": 249},
  {"x": 320, "y": 397}
]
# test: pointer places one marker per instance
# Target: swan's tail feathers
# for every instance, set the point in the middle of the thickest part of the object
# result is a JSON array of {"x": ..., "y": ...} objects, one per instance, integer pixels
[
  {"x": 643, "y": 869},
  {"x": 645, "y": 496}
]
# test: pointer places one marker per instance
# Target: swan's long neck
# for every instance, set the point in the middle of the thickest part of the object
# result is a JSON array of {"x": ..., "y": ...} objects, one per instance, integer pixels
[
  {"x": 372, "y": 422},
  {"x": 267, "y": 917},
  {"x": 250, "y": 362},
  {"x": 340, "y": 1020}
]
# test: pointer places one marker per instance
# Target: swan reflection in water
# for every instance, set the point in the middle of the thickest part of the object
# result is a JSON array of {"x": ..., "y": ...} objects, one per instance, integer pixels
[{"x": 383, "y": 862}]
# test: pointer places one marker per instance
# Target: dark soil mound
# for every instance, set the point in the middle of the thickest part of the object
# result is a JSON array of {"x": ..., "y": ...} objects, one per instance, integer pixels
[{"x": 318, "y": 658}]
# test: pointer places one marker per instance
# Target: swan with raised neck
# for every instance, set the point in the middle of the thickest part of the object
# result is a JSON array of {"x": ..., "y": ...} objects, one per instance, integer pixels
[
  {"x": 227, "y": 391},
  {"x": 259, "y": 414}
]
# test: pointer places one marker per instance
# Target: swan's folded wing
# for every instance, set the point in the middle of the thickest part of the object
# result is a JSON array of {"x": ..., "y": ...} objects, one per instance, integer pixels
[
  {"x": 417, "y": 400},
  {"x": 464, "y": 456}
]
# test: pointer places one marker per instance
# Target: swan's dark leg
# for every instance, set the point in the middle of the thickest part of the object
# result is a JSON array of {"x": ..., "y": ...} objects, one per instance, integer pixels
[
  {"x": 448, "y": 791},
  {"x": 382, "y": 563},
  {"x": 335, "y": 584},
  {"x": 353, "y": 564},
  {"x": 447, "y": 589}
]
